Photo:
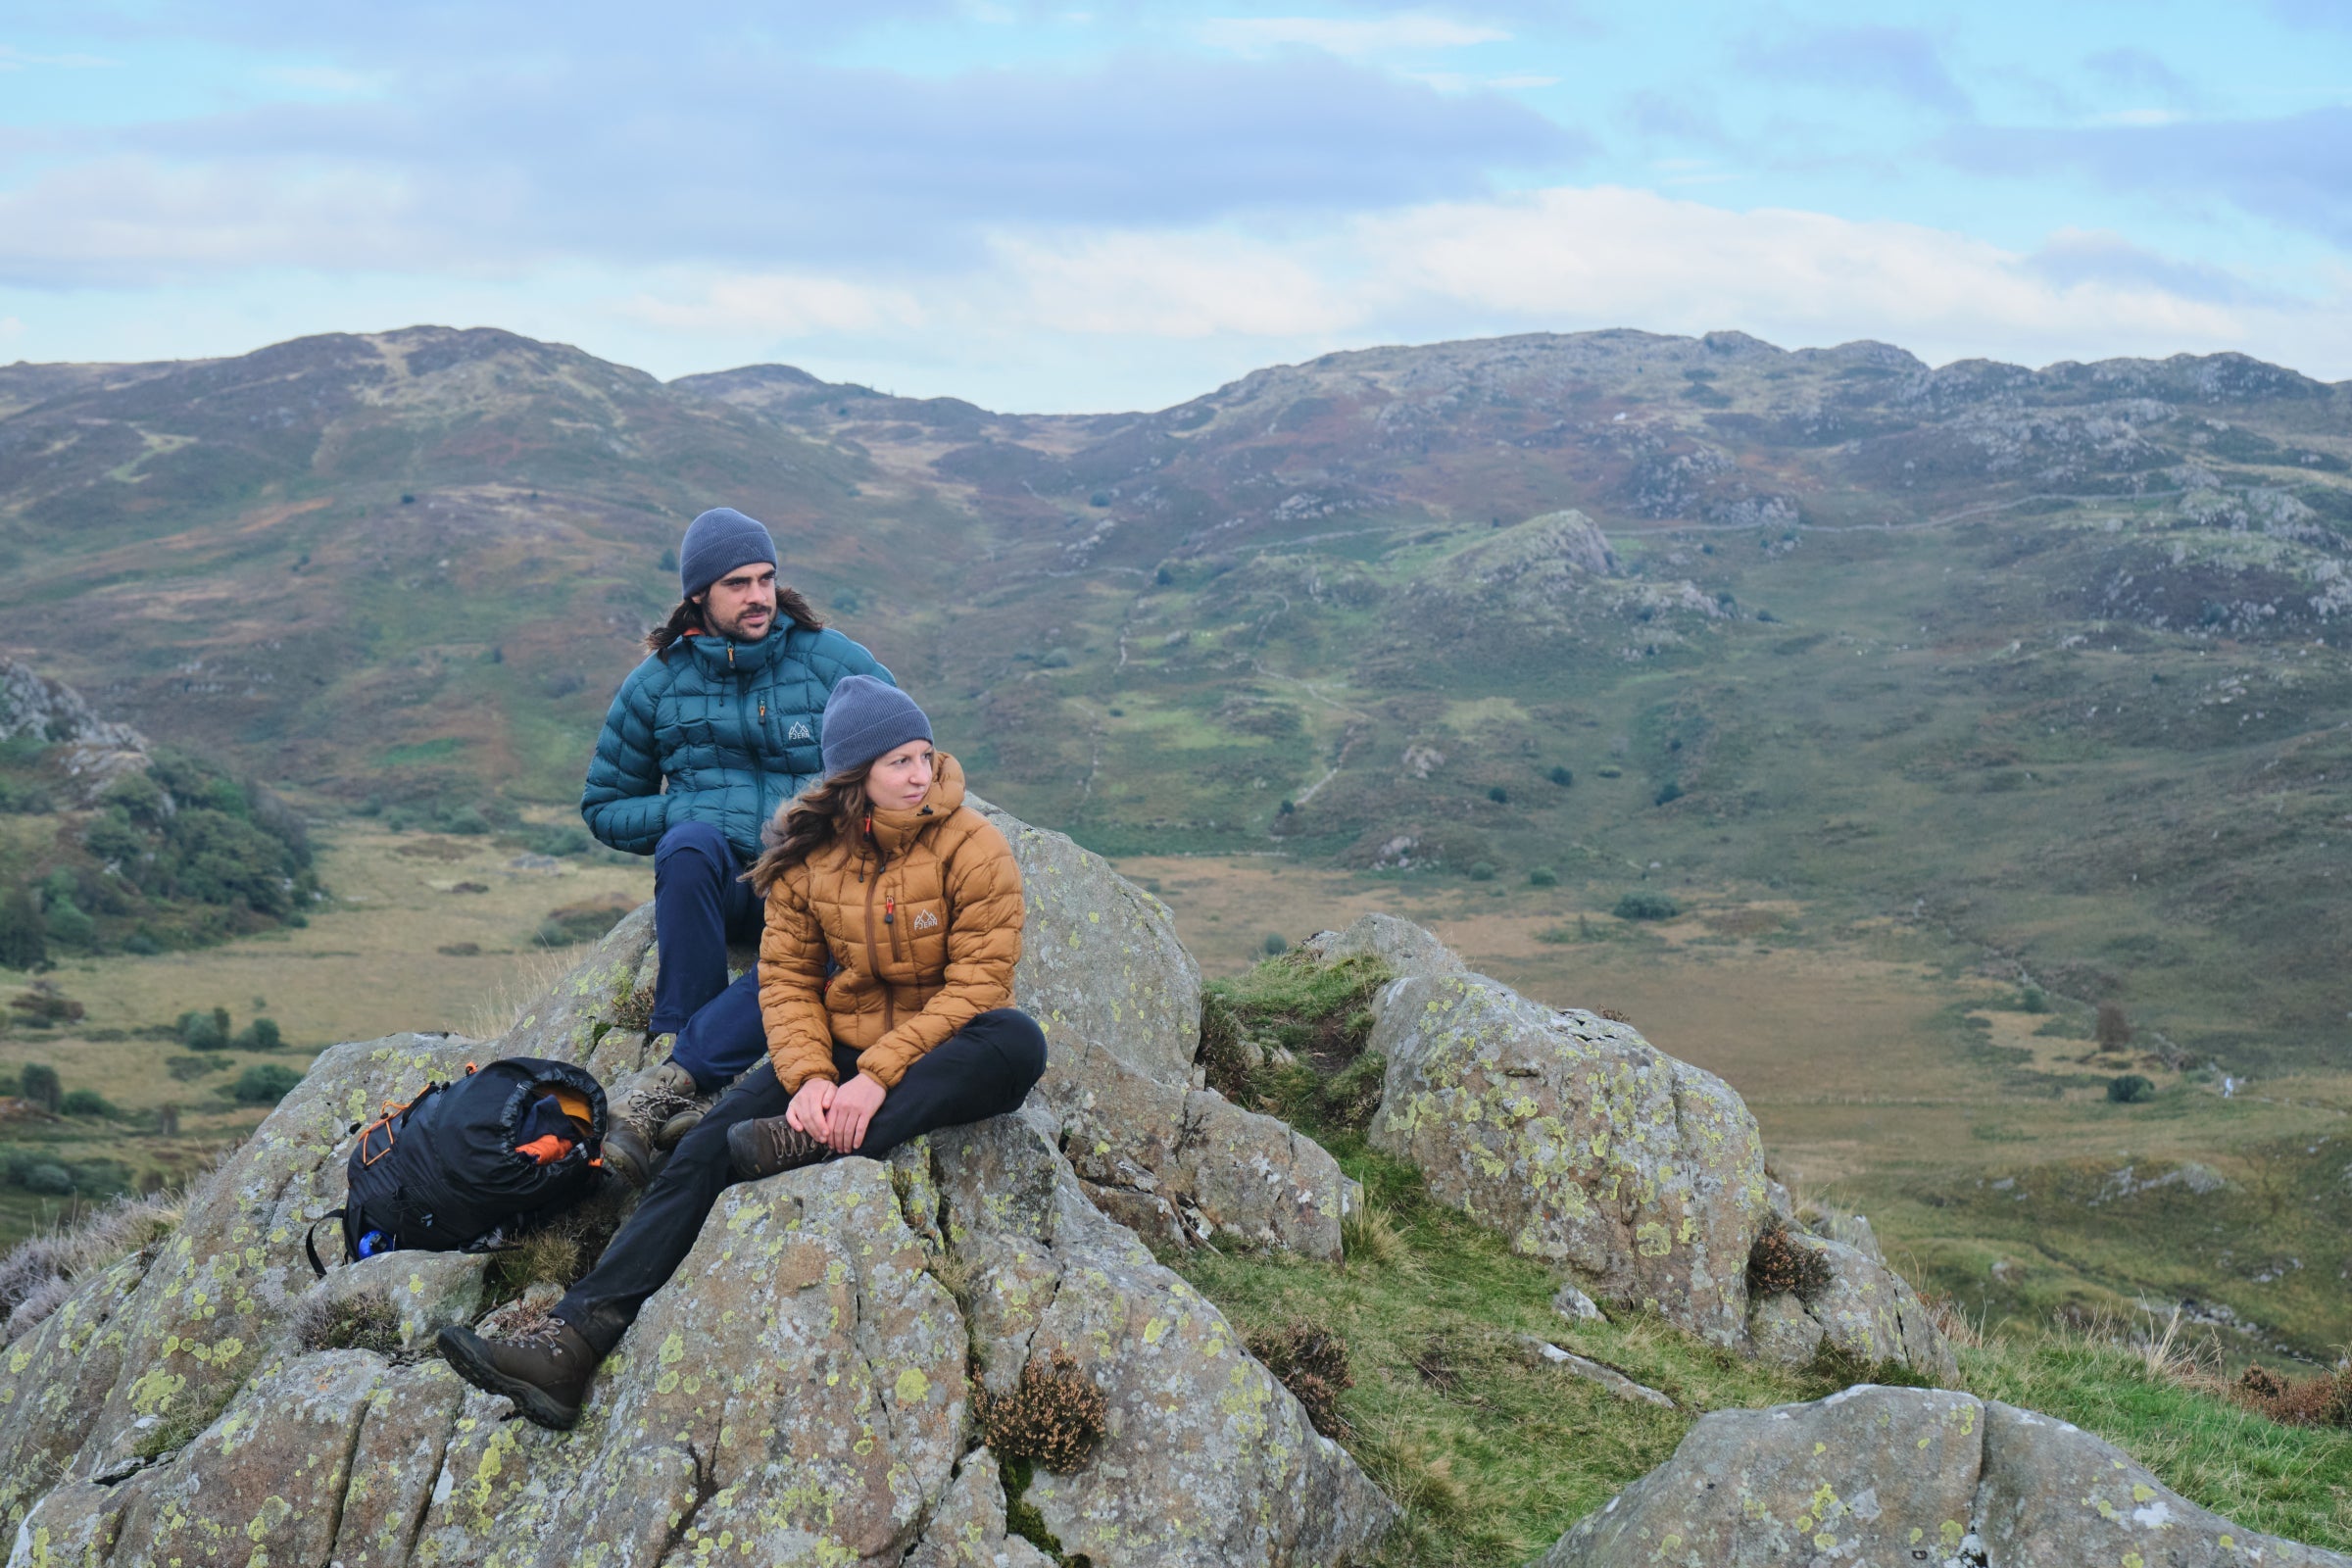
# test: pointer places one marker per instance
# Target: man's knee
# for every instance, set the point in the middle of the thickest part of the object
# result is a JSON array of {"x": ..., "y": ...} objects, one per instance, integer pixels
[{"x": 699, "y": 839}]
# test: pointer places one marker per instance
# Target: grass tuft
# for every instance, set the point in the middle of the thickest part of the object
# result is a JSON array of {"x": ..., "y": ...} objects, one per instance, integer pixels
[
  {"x": 1054, "y": 1416},
  {"x": 363, "y": 1320}
]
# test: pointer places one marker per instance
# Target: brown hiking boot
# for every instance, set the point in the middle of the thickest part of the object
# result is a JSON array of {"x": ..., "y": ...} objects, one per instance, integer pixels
[
  {"x": 545, "y": 1373},
  {"x": 769, "y": 1145},
  {"x": 629, "y": 1158}
]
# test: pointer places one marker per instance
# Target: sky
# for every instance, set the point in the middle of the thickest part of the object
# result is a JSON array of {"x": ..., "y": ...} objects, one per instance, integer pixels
[{"x": 1097, "y": 207}]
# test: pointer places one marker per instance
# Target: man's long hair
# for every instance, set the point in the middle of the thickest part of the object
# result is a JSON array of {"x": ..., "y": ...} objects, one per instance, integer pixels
[
  {"x": 688, "y": 616},
  {"x": 817, "y": 817}
]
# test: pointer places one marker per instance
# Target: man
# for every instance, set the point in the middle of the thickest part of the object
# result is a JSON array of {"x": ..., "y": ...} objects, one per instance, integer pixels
[{"x": 720, "y": 726}]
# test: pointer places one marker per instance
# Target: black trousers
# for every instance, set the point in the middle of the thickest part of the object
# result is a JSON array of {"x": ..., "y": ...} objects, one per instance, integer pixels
[{"x": 983, "y": 1069}]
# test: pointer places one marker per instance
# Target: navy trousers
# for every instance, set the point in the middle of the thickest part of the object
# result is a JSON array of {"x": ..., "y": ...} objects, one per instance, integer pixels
[
  {"x": 727, "y": 1037},
  {"x": 699, "y": 906},
  {"x": 983, "y": 1069}
]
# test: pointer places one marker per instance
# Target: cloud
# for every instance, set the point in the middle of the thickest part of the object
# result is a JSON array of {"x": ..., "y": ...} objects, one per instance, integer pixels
[
  {"x": 2296, "y": 170},
  {"x": 2137, "y": 70},
  {"x": 1342, "y": 36},
  {"x": 760, "y": 159},
  {"x": 11, "y": 59},
  {"x": 1567, "y": 258},
  {"x": 1666, "y": 117},
  {"x": 1903, "y": 62}
]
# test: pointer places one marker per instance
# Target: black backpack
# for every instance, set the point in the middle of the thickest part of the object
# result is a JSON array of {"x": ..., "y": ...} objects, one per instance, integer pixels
[{"x": 471, "y": 1166}]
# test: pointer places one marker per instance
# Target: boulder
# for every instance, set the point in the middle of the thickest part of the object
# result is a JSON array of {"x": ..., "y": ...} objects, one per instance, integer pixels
[
  {"x": 968, "y": 1530},
  {"x": 426, "y": 1291},
  {"x": 1874, "y": 1475},
  {"x": 1578, "y": 1141},
  {"x": 1100, "y": 969},
  {"x": 1206, "y": 1459},
  {"x": 1405, "y": 949},
  {"x": 1866, "y": 1311}
]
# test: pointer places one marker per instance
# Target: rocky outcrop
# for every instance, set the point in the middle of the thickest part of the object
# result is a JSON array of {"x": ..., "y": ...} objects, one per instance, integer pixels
[
  {"x": 1865, "y": 1312},
  {"x": 1877, "y": 1475},
  {"x": 1641, "y": 1175},
  {"x": 1401, "y": 947},
  {"x": 801, "y": 1393},
  {"x": 93, "y": 752}
]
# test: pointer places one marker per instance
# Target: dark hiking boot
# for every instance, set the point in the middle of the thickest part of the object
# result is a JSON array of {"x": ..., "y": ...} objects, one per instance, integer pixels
[
  {"x": 629, "y": 1158},
  {"x": 661, "y": 1107},
  {"x": 769, "y": 1145},
  {"x": 545, "y": 1373},
  {"x": 666, "y": 1136}
]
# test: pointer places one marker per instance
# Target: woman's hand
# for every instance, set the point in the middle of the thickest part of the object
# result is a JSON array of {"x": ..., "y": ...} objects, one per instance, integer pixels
[
  {"x": 810, "y": 1107},
  {"x": 853, "y": 1108}
]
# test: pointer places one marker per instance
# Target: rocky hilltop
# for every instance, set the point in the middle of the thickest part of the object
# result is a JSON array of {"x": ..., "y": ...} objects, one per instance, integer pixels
[{"x": 810, "y": 1388}]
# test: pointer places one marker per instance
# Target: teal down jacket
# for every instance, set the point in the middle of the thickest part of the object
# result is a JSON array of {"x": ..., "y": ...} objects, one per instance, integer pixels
[{"x": 735, "y": 729}]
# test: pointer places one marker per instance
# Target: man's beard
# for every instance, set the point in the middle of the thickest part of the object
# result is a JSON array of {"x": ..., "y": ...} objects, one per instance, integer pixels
[{"x": 736, "y": 632}]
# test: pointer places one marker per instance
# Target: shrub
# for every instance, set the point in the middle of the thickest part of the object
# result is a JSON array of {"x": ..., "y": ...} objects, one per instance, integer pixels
[
  {"x": 1777, "y": 1264},
  {"x": 206, "y": 1031},
  {"x": 69, "y": 925},
  {"x": 1667, "y": 792},
  {"x": 1052, "y": 1417},
  {"x": 86, "y": 1103},
  {"x": 2130, "y": 1089},
  {"x": 48, "y": 1179},
  {"x": 264, "y": 1084},
  {"x": 44, "y": 1005},
  {"x": 23, "y": 934},
  {"x": 361, "y": 1321},
  {"x": 2113, "y": 1030},
  {"x": 1275, "y": 945},
  {"x": 1482, "y": 870},
  {"x": 2033, "y": 999},
  {"x": 260, "y": 1035},
  {"x": 580, "y": 922},
  {"x": 37, "y": 1082},
  {"x": 1543, "y": 876},
  {"x": 1561, "y": 776},
  {"x": 2322, "y": 1402},
  {"x": 1499, "y": 794},
  {"x": 1306, "y": 1359},
  {"x": 1641, "y": 905}
]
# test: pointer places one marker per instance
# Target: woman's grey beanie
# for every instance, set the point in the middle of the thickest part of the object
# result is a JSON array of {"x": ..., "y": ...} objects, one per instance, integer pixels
[
  {"x": 864, "y": 718},
  {"x": 717, "y": 543}
]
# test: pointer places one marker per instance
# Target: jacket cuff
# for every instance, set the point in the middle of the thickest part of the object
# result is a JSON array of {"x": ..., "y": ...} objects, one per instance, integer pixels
[{"x": 792, "y": 1078}]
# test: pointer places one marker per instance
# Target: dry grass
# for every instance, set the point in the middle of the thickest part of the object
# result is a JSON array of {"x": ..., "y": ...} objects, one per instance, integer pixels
[
  {"x": 39, "y": 1275},
  {"x": 1052, "y": 1418},
  {"x": 1370, "y": 1238},
  {"x": 527, "y": 977}
]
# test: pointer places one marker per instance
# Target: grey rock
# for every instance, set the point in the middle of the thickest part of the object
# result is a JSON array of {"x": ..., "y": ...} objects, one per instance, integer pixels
[
  {"x": 2056, "y": 1496},
  {"x": 1207, "y": 1459},
  {"x": 1100, "y": 968},
  {"x": 969, "y": 1529},
  {"x": 427, "y": 1291},
  {"x": 1575, "y": 1305},
  {"x": 1875, "y": 1475},
  {"x": 1867, "y": 1311},
  {"x": 1591, "y": 1371},
  {"x": 1404, "y": 947},
  {"x": 1579, "y": 1142},
  {"x": 1849, "y": 1229}
]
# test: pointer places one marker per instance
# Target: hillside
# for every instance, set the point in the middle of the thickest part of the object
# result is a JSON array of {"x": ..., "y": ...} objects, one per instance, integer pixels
[{"x": 2043, "y": 659}]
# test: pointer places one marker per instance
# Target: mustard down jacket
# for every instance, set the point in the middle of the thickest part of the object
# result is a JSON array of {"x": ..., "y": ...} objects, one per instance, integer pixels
[{"x": 922, "y": 915}]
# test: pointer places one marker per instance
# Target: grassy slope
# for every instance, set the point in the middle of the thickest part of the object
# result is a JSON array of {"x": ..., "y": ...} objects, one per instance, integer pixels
[{"x": 1494, "y": 1455}]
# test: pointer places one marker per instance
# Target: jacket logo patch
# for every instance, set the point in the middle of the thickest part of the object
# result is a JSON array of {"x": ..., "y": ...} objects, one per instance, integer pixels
[
  {"x": 925, "y": 920},
  {"x": 798, "y": 732}
]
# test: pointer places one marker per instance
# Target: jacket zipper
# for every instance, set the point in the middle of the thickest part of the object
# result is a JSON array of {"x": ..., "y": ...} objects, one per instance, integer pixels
[{"x": 873, "y": 942}]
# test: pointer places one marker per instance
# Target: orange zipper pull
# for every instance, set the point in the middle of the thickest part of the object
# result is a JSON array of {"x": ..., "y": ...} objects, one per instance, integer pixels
[{"x": 890, "y": 909}]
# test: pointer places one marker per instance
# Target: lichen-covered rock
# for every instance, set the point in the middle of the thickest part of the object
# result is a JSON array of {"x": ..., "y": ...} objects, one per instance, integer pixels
[
  {"x": 1100, "y": 969},
  {"x": 1865, "y": 1310},
  {"x": 1205, "y": 1459},
  {"x": 1867, "y": 1476},
  {"x": 1149, "y": 1150},
  {"x": 1577, "y": 1140},
  {"x": 1875, "y": 1475},
  {"x": 1405, "y": 947},
  {"x": 219, "y": 1290},
  {"x": 2056, "y": 1496},
  {"x": 426, "y": 1291},
  {"x": 53, "y": 1381},
  {"x": 796, "y": 1394},
  {"x": 578, "y": 1018},
  {"x": 969, "y": 1529},
  {"x": 1851, "y": 1230}
]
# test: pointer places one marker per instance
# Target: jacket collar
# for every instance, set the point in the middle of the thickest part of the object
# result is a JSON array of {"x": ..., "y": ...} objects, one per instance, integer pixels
[
  {"x": 723, "y": 655},
  {"x": 893, "y": 831}
]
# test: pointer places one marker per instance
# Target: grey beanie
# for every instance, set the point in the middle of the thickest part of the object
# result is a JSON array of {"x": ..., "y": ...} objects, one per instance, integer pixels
[
  {"x": 717, "y": 543},
  {"x": 864, "y": 718}
]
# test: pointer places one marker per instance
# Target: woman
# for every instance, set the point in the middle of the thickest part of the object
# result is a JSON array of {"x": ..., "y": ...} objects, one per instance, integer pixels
[{"x": 912, "y": 898}]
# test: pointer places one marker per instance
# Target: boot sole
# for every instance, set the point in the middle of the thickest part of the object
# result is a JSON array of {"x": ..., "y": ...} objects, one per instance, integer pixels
[{"x": 535, "y": 1404}]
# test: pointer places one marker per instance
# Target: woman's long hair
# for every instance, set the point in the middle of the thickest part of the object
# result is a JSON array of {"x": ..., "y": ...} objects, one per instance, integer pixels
[
  {"x": 812, "y": 819},
  {"x": 688, "y": 616}
]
